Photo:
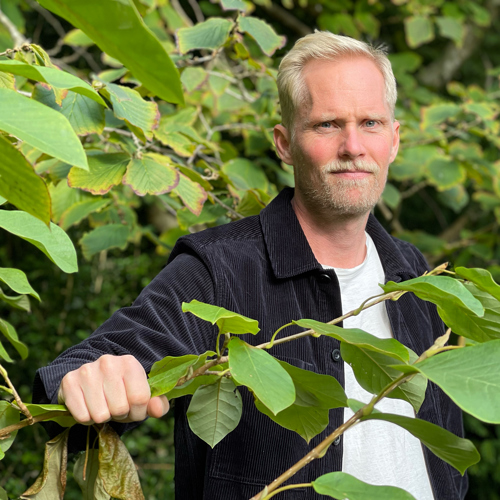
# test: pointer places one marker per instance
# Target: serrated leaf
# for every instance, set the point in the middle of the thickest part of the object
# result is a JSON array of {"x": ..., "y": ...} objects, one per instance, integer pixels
[
  {"x": 151, "y": 174},
  {"x": 480, "y": 277},
  {"x": 53, "y": 77},
  {"x": 91, "y": 486},
  {"x": 485, "y": 110},
  {"x": 445, "y": 173},
  {"x": 8, "y": 416},
  {"x": 191, "y": 193},
  {"x": 215, "y": 410},
  {"x": 438, "y": 113},
  {"x": 63, "y": 421},
  {"x": 77, "y": 38},
  {"x": 359, "y": 338},
  {"x": 85, "y": 115},
  {"x": 262, "y": 374},
  {"x": 53, "y": 242},
  {"x": 347, "y": 487},
  {"x": 245, "y": 174},
  {"x": 17, "y": 280},
  {"x": 470, "y": 376},
  {"x": 128, "y": 105},
  {"x": 193, "y": 78},
  {"x": 418, "y": 31},
  {"x": 41, "y": 127},
  {"x": 458, "y": 452},
  {"x": 262, "y": 33},
  {"x": 209, "y": 213},
  {"x": 105, "y": 171},
  {"x": 79, "y": 211},
  {"x": 104, "y": 238},
  {"x": 227, "y": 321},
  {"x": 233, "y": 5},
  {"x": 451, "y": 28},
  {"x": 117, "y": 28},
  {"x": 116, "y": 467},
  {"x": 10, "y": 333},
  {"x": 51, "y": 482},
  {"x": 210, "y": 34}
]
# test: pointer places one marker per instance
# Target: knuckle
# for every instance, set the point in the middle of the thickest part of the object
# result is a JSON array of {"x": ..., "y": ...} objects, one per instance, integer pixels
[
  {"x": 107, "y": 362},
  {"x": 100, "y": 417},
  {"x": 139, "y": 399},
  {"x": 120, "y": 411}
]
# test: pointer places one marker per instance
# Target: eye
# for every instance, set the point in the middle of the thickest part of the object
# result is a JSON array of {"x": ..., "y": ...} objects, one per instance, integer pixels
[
  {"x": 325, "y": 125},
  {"x": 370, "y": 123}
]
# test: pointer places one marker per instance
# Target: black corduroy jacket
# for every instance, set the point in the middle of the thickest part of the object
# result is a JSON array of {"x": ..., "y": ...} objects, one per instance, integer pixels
[{"x": 261, "y": 267}]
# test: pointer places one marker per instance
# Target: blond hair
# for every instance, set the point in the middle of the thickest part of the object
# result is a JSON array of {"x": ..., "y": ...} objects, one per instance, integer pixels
[{"x": 325, "y": 45}]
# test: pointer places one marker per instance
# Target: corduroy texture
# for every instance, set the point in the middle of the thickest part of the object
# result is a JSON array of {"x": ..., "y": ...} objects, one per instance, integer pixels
[{"x": 261, "y": 267}]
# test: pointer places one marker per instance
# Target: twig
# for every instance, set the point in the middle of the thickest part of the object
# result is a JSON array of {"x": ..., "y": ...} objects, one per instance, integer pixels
[
  {"x": 17, "y": 37},
  {"x": 19, "y": 401},
  {"x": 51, "y": 19},
  {"x": 197, "y": 11},
  {"x": 229, "y": 209},
  {"x": 39, "y": 418}
]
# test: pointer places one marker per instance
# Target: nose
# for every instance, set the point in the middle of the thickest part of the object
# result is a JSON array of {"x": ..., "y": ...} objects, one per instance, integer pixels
[{"x": 351, "y": 146}]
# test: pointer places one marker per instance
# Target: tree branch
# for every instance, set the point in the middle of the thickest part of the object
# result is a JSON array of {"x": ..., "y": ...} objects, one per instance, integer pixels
[{"x": 17, "y": 37}]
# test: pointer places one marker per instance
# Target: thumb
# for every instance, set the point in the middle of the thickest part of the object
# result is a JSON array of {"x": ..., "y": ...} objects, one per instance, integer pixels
[{"x": 158, "y": 406}]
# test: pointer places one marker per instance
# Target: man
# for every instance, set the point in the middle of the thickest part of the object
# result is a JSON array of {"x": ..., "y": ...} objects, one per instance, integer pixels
[{"x": 312, "y": 253}]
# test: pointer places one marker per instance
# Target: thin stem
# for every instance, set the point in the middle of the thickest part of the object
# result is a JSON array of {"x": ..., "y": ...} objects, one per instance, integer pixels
[
  {"x": 271, "y": 342},
  {"x": 19, "y": 402},
  {"x": 87, "y": 451},
  {"x": 39, "y": 418},
  {"x": 289, "y": 487}
]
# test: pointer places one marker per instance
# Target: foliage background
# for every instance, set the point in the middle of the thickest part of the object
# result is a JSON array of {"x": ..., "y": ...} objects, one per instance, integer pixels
[{"x": 443, "y": 193}]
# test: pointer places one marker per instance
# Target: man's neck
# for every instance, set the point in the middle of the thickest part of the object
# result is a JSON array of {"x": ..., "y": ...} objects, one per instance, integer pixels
[{"x": 335, "y": 241}]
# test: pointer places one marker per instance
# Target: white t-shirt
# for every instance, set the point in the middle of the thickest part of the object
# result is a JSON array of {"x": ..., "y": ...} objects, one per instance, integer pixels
[{"x": 377, "y": 452}]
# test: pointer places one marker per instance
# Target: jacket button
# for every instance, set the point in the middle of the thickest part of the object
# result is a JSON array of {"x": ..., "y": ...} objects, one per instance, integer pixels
[
  {"x": 324, "y": 279},
  {"x": 337, "y": 441},
  {"x": 336, "y": 355}
]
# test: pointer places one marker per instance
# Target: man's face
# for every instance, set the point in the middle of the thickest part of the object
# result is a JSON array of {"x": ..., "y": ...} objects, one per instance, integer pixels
[{"x": 344, "y": 137}]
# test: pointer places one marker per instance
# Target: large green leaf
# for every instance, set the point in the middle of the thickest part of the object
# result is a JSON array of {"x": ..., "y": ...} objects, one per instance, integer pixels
[
  {"x": 227, "y": 321},
  {"x": 17, "y": 280},
  {"x": 53, "y": 77},
  {"x": 117, "y": 28},
  {"x": 105, "y": 171},
  {"x": 151, "y": 174},
  {"x": 373, "y": 372},
  {"x": 191, "y": 193},
  {"x": 443, "y": 291},
  {"x": 20, "y": 185},
  {"x": 262, "y": 33},
  {"x": 10, "y": 333},
  {"x": 51, "y": 482},
  {"x": 445, "y": 173},
  {"x": 91, "y": 485},
  {"x": 481, "y": 278},
  {"x": 262, "y": 374},
  {"x": 104, "y": 238},
  {"x": 215, "y": 410},
  {"x": 438, "y": 113},
  {"x": 165, "y": 373},
  {"x": 53, "y": 242},
  {"x": 470, "y": 376},
  {"x": 357, "y": 337},
  {"x": 8, "y": 416},
  {"x": 41, "y": 127},
  {"x": 63, "y": 421},
  {"x": 245, "y": 174},
  {"x": 458, "y": 452},
  {"x": 79, "y": 211},
  {"x": 452, "y": 28},
  {"x": 347, "y": 487},
  {"x": 210, "y": 34}
]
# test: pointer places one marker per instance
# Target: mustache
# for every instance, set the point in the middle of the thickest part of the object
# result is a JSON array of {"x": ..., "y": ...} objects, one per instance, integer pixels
[{"x": 350, "y": 166}]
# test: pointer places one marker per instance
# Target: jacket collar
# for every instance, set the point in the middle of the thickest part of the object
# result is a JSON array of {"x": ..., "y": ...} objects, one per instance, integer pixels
[{"x": 290, "y": 253}]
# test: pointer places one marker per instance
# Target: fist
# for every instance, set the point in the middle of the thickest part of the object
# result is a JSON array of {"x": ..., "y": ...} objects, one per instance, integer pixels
[{"x": 111, "y": 388}]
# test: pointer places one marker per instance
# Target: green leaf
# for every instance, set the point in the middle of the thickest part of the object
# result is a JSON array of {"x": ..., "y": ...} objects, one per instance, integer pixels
[
  {"x": 3, "y": 493},
  {"x": 250, "y": 204},
  {"x": 77, "y": 38},
  {"x": 418, "y": 31},
  {"x": 53, "y": 242},
  {"x": 193, "y": 78},
  {"x": 215, "y": 410},
  {"x": 128, "y": 105},
  {"x": 192, "y": 194},
  {"x": 210, "y": 34},
  {"x": 470, "y": 376},
  {"x": 438, "y": 113},
  {"x": 359, "y": 338},
  {"x": 105, "y": 171},
  {"x": 116, "y": 467},
  {"x": 8, "y": 416},
  {"x": 347, "y": 487},
  {"x": 79, "y": 211},
  {"x": 151, "y": 174},
  {"x": 190, "y": 387},
  {"x": 84, "y": 114},
  {"x": 5, "y": 355},
  {"x": 227, "y": 321},
  {"x": 391, "y": 195},
  {"x": 209, "y": 213},
  {"x": 117, "y": 28},
  {"x": 104, "y": 238},
  {"x": 63, "y": 197},
  {"x": 233, "y": 5},
  {"x": 480, "y": 277},
  {"x": 10, "y": 333},
  {"x": 17, "y": 280},
  {"x": 41, "y": 127},
  {"x": 63, "y": 421},
  {"x": 18, "y": 302},
  {"x": 374, "y": 372},
  {"x": 445, "y": 173},
  {"x": 92, "y": 487},
  {"x": 451, "y": 28},
  {"x": 51, "y": 482},
  {"x": 262, "y": 33},
  {"x": 245, "y": 174},
  {"x": 456, "y": 198},
  {"x": 443, "y": 291},
  {"x": 165, "y": 373},
  {"x": 262, "y": 374},
  {"x": 458, "y": 452},
  {"x": 53, "y": 77},
  {"x": 20, "y": 185},
  {"x": 485, "y": 110},
  {"x": 7, "y": 81}
]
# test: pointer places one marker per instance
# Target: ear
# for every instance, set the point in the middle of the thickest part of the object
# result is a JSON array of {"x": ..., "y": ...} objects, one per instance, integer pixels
[
  {"x": 395, "y": 141},
  {"x": 282, "y": 142}
]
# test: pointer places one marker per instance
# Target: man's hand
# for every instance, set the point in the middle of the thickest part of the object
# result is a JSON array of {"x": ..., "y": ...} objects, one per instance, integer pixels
[{"x": 111, "y": 388}]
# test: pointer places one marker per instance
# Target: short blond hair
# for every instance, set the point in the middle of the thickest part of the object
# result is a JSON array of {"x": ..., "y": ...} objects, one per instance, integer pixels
[{"x": 325, "y": 45}]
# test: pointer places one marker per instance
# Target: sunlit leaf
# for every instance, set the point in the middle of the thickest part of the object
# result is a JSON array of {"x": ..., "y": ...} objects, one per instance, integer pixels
[
  {"x": 418, "y": 31},
  {"x": 17, "y": 302},
  {"x": 451, "y": 28},
  {"x": 77, "y": 38},
  {"x": 17, "y": 280},
  {"x": 210, "y": 34},
  {"x": 40, "y": 409},
  {"x": 191, "y": 193},
  {"x": 193, "y": 78},
  {"x": 438, "y": 113},
  {"x": 79, "y": 211},
  {"x": 10, "y": 333},
  {"x": 445, "y": 173},
  {"x": 480, "y": 277},
  {"x": 245, "y": 174},
  {"x": 262, "y": 33}
]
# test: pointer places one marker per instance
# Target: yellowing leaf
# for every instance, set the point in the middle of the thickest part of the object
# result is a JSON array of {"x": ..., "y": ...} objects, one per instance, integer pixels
[
  {"x": 191, "y": 193},
  {"x": 418, "y": 30}
]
